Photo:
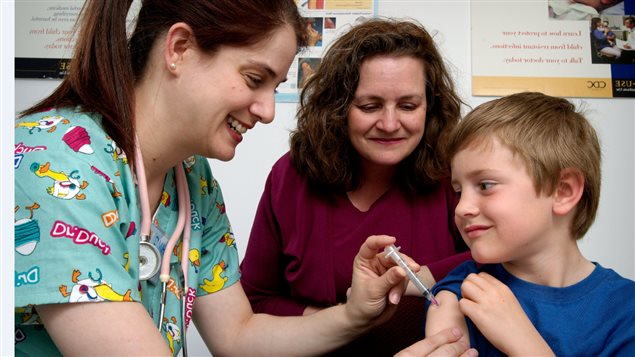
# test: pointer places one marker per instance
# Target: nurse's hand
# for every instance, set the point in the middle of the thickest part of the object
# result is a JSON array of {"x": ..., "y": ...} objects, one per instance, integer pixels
[
  {"x": 445, "y": 343},
  {"x": 377, "y": 284}
]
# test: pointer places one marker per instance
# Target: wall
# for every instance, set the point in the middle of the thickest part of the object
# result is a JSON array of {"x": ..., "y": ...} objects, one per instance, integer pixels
[{"x": 611, "y": 239}]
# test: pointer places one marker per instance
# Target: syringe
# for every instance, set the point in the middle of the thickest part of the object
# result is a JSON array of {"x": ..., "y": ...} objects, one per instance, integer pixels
[{"x": 393, "y": 252}]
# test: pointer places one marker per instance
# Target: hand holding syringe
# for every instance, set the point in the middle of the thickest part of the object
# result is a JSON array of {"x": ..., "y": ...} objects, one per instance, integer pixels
[{"x": 393, "y": 252}]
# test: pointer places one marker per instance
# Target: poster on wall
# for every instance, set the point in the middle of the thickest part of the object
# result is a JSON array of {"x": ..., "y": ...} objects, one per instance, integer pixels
[
  {"x": 44, "y": 36},
  {"x": 583, "y": 48},
  {"x": 325, "y": 21}
]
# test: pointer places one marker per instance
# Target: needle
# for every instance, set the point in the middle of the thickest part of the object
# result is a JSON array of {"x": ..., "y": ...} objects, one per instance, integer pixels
[{"x": 393, "y": 252}]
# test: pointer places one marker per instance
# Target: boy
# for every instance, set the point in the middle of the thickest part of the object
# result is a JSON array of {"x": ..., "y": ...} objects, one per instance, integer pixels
[{"x": 527, "y": 168}]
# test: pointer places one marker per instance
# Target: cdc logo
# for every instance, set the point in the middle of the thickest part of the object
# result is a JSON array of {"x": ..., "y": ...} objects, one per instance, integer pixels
[{"x": 596, "y": 84}]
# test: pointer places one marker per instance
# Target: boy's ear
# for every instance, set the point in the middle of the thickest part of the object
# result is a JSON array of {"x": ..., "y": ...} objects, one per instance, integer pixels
[
  {"x": 568, "y": 191},
  {"x": 179, "y": 39}
]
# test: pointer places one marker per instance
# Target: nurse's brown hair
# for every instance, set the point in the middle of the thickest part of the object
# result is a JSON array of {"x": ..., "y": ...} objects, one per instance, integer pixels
[{"x": 106, "y": 65}]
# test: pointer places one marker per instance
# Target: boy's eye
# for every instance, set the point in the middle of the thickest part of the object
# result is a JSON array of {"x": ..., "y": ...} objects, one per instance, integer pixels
[{"x": 484, "y": 185}]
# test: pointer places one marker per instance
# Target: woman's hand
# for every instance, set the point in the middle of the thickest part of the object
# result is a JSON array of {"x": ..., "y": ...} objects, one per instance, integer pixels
[
  {"x": 446, "y": 343},
  {"x": 377, "y": 283}
]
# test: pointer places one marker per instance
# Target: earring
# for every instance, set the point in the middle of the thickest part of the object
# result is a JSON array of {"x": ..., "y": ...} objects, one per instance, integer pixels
[{"x": 173, "y": 66}]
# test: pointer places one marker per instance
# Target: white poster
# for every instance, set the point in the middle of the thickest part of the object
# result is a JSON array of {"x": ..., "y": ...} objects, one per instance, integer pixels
[{"x": 552, "y": 46}]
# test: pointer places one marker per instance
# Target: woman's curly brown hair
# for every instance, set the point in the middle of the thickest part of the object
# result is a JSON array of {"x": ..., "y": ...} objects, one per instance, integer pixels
[{"x": 320, "y": 145}]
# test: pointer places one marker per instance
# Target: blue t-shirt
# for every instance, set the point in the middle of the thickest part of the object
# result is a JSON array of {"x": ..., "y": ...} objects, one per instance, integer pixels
[
  {"x": 77, "y": 223},
  {"x": 595, "y": 317}
]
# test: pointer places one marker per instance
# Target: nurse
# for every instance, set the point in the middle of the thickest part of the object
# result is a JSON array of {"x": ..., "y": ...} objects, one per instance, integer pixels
[{"x": 191, "y": 81}]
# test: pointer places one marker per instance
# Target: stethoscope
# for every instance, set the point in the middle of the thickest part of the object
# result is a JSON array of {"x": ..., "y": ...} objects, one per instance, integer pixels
[{"x": 149, "y": 255}]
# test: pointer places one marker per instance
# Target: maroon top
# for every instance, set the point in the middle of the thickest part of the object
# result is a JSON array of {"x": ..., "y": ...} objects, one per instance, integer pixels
[{"x": 302, "y": 244}]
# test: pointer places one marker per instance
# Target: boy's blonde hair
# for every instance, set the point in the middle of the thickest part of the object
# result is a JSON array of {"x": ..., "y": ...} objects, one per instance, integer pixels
[{"x": 548, "y": 135}]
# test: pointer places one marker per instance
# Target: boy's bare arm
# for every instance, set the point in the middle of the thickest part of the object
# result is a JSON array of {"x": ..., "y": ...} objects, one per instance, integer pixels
[
  {"x": 446, "y": 315},
  {"x": 494, "y": 309}
]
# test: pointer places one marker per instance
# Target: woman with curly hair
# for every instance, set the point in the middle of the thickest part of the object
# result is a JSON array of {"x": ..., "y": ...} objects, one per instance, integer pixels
[{"x": 367, "y": 157}]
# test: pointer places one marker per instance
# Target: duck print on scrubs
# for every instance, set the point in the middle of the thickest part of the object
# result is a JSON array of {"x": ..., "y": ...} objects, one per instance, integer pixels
[{"x": 77, "y": 229}]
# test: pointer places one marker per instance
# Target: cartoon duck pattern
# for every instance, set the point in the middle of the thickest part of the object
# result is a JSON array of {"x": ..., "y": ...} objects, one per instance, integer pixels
[{"x": 77, "y": 223}]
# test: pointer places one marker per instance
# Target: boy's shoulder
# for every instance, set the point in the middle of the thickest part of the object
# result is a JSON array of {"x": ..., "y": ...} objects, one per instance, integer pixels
[
  {"x": 471, "y": 266},
  {"x": 453, "y": 281},
  {"x": 617, "y": 283}
]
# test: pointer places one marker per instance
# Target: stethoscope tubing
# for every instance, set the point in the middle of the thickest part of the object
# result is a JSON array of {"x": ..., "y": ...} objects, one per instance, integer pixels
[{"x": 183, "y": 226}]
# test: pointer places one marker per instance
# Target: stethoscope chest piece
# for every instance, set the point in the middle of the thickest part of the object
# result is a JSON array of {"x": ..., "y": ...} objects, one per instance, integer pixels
[{"x": 149, "y": 260}]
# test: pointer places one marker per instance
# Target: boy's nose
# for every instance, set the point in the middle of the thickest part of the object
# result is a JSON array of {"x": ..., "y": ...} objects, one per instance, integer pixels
[{"x": 465, "y": 207}]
